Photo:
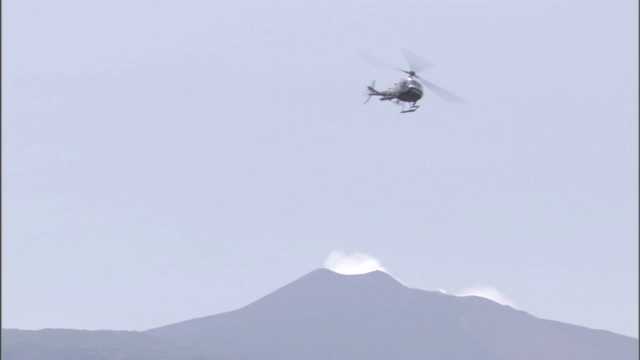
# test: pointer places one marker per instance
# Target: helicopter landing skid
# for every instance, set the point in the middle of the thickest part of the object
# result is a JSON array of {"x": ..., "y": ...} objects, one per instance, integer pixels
[{"x": 413, "y": 108}]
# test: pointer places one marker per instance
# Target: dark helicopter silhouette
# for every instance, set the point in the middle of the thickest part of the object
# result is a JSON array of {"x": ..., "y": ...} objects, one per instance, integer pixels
[{"x": 409, "y": 89}]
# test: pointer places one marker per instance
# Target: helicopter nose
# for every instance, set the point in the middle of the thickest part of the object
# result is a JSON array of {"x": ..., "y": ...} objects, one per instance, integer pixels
[{"x": 415, "y": 93}]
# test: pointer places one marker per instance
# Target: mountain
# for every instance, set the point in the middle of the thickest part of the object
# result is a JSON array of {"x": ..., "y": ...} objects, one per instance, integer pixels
[{"x": 325, "y": 315}]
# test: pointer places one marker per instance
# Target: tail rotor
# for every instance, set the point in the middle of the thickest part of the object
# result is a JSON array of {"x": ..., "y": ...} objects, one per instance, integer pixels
[{"x": 370, "y": 91}]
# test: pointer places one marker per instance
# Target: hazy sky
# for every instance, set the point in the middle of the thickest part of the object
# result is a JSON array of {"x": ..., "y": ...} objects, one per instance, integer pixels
[{"x": 165, "y": 160}]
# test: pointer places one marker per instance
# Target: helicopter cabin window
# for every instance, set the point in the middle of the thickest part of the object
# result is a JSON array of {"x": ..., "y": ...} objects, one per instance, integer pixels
[{"x": 414, "y": 83}]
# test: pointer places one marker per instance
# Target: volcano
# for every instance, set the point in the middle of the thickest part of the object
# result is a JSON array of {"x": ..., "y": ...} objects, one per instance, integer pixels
[{"x": 325, "y": 315}]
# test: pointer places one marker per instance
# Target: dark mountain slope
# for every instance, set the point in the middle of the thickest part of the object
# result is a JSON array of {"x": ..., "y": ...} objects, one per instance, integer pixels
[{"x": 64, "y": 344}]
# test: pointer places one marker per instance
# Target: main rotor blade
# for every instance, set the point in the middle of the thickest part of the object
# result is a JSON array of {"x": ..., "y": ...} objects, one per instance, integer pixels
[
  {"x": 416, "y": 63},
  {"x": 442, "y": 93},
  {"x": 377, "y": 62}
]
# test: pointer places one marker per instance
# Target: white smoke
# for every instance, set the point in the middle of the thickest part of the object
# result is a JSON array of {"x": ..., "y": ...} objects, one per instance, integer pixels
[
  {"x": 355, "y": 263},
  {"x": 487, "y": 292}
]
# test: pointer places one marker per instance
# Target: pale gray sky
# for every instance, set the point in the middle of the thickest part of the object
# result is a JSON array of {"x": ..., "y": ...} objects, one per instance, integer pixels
[{"x": 165, "y": 160}]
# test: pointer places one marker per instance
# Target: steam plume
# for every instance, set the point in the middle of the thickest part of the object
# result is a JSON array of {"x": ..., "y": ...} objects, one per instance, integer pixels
[
  {"x": 355, "y": 263},
  {"x": 488, "y": 293}
]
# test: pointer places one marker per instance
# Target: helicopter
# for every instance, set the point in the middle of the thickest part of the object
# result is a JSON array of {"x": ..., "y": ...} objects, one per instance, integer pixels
[{"x": 409, "y": 89}]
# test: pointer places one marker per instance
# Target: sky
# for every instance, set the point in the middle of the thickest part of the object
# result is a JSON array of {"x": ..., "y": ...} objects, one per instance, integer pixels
[{"x": 167, "y": 160}]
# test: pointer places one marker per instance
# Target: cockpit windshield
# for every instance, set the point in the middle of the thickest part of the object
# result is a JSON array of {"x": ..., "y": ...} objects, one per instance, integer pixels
[{"x": 414, "y": 83}]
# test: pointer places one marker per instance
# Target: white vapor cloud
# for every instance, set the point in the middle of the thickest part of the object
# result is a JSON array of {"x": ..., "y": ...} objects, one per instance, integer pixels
[
  {"x": 355, "y": 263},
  {"x": 487, "y": 292}
]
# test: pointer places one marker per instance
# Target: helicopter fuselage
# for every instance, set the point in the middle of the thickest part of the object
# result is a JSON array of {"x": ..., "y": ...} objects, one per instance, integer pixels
[{"x": 407, "y": 90}]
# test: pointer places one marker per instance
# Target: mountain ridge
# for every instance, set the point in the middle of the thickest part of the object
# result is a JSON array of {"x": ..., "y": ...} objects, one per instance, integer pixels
[{"x": 326, "y": 315}]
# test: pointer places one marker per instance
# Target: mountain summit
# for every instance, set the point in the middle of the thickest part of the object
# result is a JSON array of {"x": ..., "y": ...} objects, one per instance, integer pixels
[{"x": 326, "y": 315}]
